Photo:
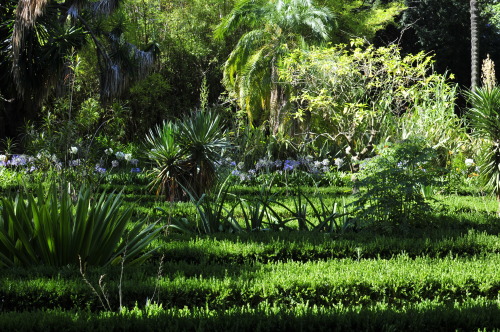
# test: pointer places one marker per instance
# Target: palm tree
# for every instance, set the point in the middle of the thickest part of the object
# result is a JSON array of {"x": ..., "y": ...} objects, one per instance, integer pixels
[
  {"x": 45, "y": 32},
  {"x": 474, "y": 38},
  {"x": 273, "y": 29},
  {"x": 485, "y": 120}
]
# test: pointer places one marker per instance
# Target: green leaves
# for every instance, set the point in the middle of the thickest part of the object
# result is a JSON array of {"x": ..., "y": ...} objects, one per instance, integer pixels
[
  {"x": 57, "y": 228},
  {"x": 484, "y": 118},
  {"x": 272, "y": 29},
  {"x": 185, "y": 154},
  {"x": 391, "y": 185}
]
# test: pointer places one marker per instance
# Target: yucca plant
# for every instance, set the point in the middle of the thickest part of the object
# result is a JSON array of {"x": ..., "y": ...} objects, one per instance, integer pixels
[
  {"x": 185, "y": 155},
  {"x": 484, "y": 116},
  {"x": 202, "y": 140},
  {"x": 56, "y": 228},
  {"x": 170, "y": 170}
]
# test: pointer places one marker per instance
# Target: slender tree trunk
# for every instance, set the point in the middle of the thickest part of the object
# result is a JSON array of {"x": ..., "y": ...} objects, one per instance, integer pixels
[
  {"x": 474, "y": 38},
  {"x": 274, "y": 103}
]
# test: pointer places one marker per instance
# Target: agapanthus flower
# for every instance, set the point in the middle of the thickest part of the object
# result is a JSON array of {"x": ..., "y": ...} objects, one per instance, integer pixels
[
  {"x": 469, "y": 162},
  {"x": 3, "y": 158},
  {"x": 128, "y": 156},
  {"x": 135, "y": 170},
  {"x": 108, "y": 151},
  {"x": 290, "y": 165},
  {"x": 18, "y": 160},
  {"x": 99, "y": 169},
  {"x": 73, "y": 150},
  {"x": 339, "y": 162},
  {"x": 115, "y": 163},
  {"x": 134, "y": 162},
  {"x": 120, "y": 155},
  {"x": 75, "y": 162}
]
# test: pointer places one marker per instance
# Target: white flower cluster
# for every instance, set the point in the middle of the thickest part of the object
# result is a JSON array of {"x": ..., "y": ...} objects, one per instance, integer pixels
[{"x": 469, "y": 162}]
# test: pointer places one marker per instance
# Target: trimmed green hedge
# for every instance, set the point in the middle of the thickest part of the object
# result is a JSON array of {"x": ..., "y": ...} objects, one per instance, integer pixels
[
  {"x": 396, "y": 281},
  {"x": 426, "y": 316},
  {"x": 306, "y": 246}
]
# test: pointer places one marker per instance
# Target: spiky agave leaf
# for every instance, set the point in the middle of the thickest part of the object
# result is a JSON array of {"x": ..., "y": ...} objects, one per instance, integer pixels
[
  {"x": 484, "y": 118},
  {"x": 202, "y": 140},
  {"x": 169, "y": 171}
]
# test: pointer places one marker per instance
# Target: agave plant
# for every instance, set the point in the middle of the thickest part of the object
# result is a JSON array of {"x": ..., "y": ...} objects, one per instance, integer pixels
[
  {"x": 484, "y": 118},
  {"x": 57, "y": 229}
]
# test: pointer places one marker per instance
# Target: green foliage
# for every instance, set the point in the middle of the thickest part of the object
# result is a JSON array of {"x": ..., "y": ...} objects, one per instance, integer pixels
[
  {"x": 393, "y": 182},
  {"x": 485, "y": 121},
  {"x": 362, "y": 18},
  {"x": 397, "y": 281},
  {"x": 185, "y": 154},
  {"x": 357, "y": 96},
  {"x": 168, "y": 171},
  {"x": 272, "y": 30},
  {"x": 59, "y": 227},
  {"x": 443, "y": 28},
  {"x": 473, "y": 314},
  {"x": 213, "y": 214}
]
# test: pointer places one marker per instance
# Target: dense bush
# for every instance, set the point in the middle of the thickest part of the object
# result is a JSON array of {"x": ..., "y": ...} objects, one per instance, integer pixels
[{"x": 392, "y": 184}]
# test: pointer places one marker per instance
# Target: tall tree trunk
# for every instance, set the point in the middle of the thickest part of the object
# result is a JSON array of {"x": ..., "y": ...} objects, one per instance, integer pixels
[{"x": 474, "y": 38}]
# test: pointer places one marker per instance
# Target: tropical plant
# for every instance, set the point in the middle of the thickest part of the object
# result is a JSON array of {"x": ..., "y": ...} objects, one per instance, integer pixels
[
  {"x": 57, "y": 228},
  {"x": 42, "y": 34},
  {"x": 272, "y": 29},
  {"x": 484, "y": 116},
  {"x": 202, "y": 139},
  {"x": 169, "y": 169},
  {"x": 357, "y": 95},
  {"x": 185, "y": 155}
]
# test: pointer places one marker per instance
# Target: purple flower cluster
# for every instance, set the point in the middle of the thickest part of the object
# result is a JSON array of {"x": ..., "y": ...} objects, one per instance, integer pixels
[
  {"x": 290, "y": 165},
  {"x": 99, "y": 169},
  {"x": 16, "y": 160},
  {"x": 135, "y": 170},
  {"x": 266, "y": 166}
]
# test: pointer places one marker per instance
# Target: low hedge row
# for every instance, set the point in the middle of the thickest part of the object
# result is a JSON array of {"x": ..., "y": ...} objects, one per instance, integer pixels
[
  {"x": 396, "y": 281},
  {"x": 300, "y": 246},
  {"x": 425, "y": 316}
]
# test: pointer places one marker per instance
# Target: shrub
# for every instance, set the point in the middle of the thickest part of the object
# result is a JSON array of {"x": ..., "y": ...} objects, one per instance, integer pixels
[{"x": 392, "y": 184}]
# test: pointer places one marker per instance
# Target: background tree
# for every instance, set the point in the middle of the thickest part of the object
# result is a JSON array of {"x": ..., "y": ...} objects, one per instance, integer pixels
[
  {"x": 42, "y": 34},
  {"x": 442, "y": 27},
  {"x": 273, "y": 28}
]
